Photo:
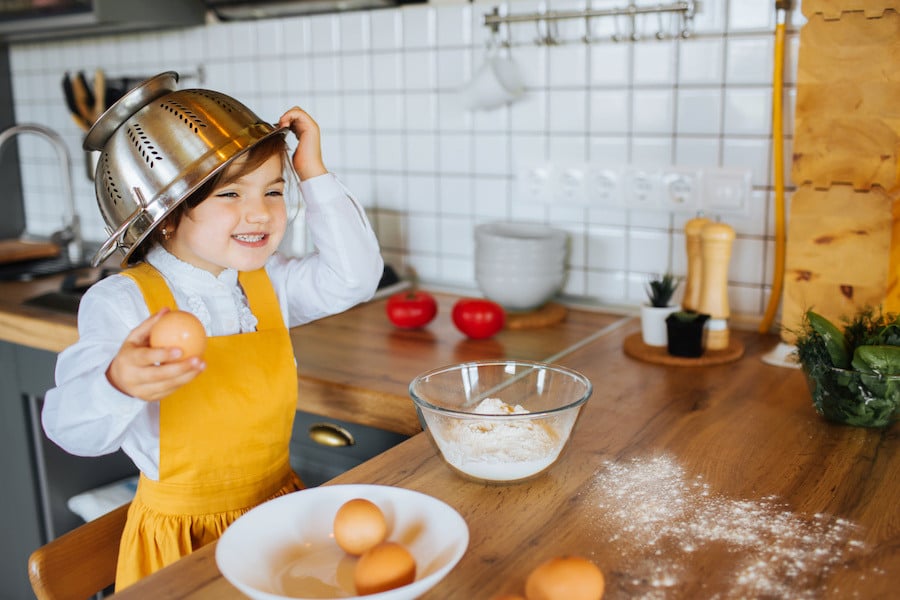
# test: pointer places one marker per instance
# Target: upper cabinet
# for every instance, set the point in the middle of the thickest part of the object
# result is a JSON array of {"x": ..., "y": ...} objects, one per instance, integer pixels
[
  {"x": 238, "y": 10},
  {"x": 25, "y": 20}
]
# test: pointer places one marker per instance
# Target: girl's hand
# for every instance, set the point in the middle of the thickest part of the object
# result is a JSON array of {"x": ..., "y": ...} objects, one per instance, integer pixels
[
  {"x": 148, "y": 373},
  {"x": 307, "y": 157}
]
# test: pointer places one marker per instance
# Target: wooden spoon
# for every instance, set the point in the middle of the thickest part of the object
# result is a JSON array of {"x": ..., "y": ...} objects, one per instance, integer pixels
[
  {"x": 99, "y": 94},
  {"x": 83, "y": 101}
]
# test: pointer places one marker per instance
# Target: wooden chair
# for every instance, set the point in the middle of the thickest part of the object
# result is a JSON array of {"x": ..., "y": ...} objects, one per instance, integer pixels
[{"x": 81, "y": 563}]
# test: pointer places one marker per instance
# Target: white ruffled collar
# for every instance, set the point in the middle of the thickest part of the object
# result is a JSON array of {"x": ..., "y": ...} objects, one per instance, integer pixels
[{"x": 195, "y": 284}]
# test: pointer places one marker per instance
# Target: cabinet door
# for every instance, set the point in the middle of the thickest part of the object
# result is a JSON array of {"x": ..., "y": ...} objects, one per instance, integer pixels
[
  {"x": 58, "y": 474},
  {"x": 39, "y": 477},
  {"x": 19, "y": 502}
]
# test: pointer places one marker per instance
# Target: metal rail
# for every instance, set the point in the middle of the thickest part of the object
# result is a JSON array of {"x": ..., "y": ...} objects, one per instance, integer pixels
[{"x": 686, "y": 8}]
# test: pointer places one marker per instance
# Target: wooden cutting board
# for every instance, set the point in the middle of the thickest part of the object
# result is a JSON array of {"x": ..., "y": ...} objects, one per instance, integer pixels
[{"x": 15, "y": 250}]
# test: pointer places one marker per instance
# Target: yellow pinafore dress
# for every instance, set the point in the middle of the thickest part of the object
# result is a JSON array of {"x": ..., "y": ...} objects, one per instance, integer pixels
[{"x": 223, "y": 438}]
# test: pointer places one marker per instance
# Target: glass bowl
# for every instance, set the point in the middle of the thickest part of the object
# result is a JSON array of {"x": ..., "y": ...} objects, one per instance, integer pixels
[
  {"x": 853, "y": 397},
  {"x": 500, "y": 421}
]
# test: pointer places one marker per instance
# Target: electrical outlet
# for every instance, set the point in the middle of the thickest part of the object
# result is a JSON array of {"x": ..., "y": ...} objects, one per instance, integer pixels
[
  {"x": 643, "y": 189},
  {"x": 726, "y": 190},
  {"x": 681, "y": 189},
  {"x": 604, "y": 187},
  {"x": 571, "y": 188},
  {"x": 534, "y": 183}
]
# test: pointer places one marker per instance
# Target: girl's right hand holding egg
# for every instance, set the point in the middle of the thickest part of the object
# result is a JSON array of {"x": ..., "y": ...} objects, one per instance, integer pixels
[{"x": 149, "y": 373}]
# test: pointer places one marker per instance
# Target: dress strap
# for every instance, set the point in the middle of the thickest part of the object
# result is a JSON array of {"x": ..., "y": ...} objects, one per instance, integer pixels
[
  {"x": 262, "y": 298},
  {"x": 153, "y": 286}
]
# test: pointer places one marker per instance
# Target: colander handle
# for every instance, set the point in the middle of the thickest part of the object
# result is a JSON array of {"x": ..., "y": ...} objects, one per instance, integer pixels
[{"x": 115, "y": 240}]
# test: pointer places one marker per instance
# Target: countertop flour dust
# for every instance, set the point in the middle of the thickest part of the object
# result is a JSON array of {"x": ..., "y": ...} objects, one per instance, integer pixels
[{"x": 659, "y": 522}]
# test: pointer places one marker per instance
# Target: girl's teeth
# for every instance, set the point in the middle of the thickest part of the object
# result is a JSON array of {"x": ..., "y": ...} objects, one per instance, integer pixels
[{"x": 249, "y": 238}]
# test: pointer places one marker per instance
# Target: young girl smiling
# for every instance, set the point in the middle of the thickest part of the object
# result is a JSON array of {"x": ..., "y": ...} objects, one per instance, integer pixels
[{"x": 210, "y": 434}]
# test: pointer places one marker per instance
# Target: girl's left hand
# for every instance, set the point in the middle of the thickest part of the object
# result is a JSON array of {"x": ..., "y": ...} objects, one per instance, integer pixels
[{"x": 307, "y": 157}]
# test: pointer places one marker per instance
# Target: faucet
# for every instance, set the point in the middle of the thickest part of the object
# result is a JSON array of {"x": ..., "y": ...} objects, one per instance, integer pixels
[{"x": 70, "y": 235}]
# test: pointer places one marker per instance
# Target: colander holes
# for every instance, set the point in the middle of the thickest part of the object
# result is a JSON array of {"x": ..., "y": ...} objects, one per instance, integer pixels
[
  {"x": 185, "y": 115},
  {"x": 142, "y": 144}
]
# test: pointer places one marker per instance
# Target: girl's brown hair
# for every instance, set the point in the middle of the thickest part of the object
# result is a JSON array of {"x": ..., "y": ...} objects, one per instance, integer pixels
[{"x": 256, "y": 156}]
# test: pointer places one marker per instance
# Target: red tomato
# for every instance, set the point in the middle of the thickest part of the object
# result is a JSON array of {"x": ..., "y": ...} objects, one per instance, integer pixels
[
  {"x": 411, "y": 309},
  {"x": 478, "y": 318}
]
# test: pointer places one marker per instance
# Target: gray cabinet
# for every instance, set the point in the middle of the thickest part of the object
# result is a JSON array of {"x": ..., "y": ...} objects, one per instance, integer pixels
[{"x": 39, "y": 477}]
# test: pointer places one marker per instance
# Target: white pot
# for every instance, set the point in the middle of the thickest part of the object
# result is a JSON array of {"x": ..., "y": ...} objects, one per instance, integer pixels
[{"x": 653, "y": 324}]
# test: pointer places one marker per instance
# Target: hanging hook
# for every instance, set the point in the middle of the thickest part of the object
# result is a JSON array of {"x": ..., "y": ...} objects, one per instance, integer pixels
[
  {"x": 587, "y": 38},
  {"x": 632, "y": 22},
  {"x": 617, "y": 35},
  {"x": 661, "y": 28},
  {"x": 687, "y": 20},
  {"x": 550, "y": 35}
]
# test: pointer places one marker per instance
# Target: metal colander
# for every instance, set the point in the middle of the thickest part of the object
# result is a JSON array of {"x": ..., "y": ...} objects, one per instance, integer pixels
[{"x": 157, "y": 145}]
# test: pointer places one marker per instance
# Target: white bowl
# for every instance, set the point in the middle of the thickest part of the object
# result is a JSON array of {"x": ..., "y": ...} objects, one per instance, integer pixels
[
  {"x": 520, "y": 292},
  {"x": 285, "y": 549},
  {"x": 511, "y": 235},
  {"x": 513, "y": 269},
  {"x": 526, "y": 258},
  {"x": 502, "y": 447}
]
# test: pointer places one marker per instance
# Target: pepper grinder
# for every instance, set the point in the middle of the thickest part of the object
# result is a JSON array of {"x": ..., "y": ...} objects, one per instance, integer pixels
[
  {"x": 715, "y": 245},
  {"x": 693, "y": 281}
]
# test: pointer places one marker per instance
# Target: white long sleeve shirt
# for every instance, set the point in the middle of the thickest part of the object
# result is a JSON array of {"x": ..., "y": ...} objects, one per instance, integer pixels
[{"x": 87, "y": 416}]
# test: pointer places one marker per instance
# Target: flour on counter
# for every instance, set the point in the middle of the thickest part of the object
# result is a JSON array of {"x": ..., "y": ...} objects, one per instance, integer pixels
[
  {"x": 495, "y": 449},
  {"x": 660, "y": 523}
]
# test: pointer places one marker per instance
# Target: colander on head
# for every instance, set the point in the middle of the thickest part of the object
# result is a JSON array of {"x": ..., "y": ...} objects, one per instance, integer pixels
[{"x": 157, "y": 145}]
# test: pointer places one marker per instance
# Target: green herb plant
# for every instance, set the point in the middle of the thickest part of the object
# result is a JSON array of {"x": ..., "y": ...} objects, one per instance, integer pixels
[
  {"x": 853, "y": 372},
  {"x": 661, "y": 290}
]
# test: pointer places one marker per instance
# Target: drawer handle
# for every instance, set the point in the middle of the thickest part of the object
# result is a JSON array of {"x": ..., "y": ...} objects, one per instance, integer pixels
[{"x": 329, "y": 434}]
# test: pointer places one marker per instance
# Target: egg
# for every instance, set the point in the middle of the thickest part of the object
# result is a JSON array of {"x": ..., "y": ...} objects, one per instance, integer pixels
[
  {"x": 358, "y": 526},
  {"x": 565, "y": 578},
  {"x": 179, "y": 329},
  {"x": 507, "y": 597},
  {"x": 387, "y": 566}
]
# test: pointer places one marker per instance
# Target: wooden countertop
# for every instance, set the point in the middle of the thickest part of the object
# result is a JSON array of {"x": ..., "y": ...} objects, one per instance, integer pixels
[
  {"x": 354, "y": 366},
  {"x": 679, "y": 482},
  {"x": 33, "y": 326}
]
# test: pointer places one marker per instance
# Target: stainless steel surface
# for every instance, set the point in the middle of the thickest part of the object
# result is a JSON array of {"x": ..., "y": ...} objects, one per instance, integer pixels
[
  {"x": 158, "y": 146},
  {"x": 70, "y": 236},
  {"x": 22, "y": 20},
  {"x": 233, "y": 10},
  {"x": 130, "y": 103}
]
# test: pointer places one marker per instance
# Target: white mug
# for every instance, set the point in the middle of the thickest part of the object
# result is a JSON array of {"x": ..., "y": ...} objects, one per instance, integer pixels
[{"x": 496, "y": 82}]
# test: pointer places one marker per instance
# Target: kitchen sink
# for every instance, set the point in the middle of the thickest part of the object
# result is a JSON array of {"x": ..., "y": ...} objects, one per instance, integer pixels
[
  {"x": 67, "y": 298},
  {"x": 60, "y": 301},
  {"x": 28, "y": 270}
]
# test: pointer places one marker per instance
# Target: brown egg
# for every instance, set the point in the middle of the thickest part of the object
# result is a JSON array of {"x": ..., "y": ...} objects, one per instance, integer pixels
[
  {"x": 386, "y": 566},
  {"x": 179, "y": 329},
  {"x": 358, "y": 526},
  {"x": 507, "y": 597},
  {"x": 565, "y": 578}
]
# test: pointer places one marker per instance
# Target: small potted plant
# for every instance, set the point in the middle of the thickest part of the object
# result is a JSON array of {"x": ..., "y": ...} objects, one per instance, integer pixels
[
  {"x": 660, "y": 291},
  {"x": 685, "y": 333}
]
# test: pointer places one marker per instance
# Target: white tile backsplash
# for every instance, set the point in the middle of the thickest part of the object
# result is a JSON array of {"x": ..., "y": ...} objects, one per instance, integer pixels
[
  {"x": 611, "y": 64},
  {"x": 749, "y": 60},
  {"x": 654, "y": 62},
  {"x": 699, "y": 111},
  {"x": 700, "y": 61},
  {"x": 381, "y": 84}
]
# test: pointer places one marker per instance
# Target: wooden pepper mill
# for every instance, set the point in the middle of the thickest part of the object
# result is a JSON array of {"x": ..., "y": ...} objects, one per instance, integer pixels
[
  {"x": 715, "y": 244},
  {"x": 693, "y": 281}
]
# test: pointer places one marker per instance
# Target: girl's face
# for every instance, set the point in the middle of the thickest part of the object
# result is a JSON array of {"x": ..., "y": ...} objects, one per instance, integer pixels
[{"x": 238, "y": 226}]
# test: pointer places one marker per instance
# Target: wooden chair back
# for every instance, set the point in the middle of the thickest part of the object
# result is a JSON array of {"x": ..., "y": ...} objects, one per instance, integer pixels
[{"x": 81, "y": 563}]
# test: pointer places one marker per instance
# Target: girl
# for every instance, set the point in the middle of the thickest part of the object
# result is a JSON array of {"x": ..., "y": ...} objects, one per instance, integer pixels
[{"x": 210, "y": 435}]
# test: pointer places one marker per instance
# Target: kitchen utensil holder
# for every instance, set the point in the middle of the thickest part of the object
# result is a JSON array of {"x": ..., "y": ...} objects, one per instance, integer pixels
[{"x": 686, "y": 9}]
